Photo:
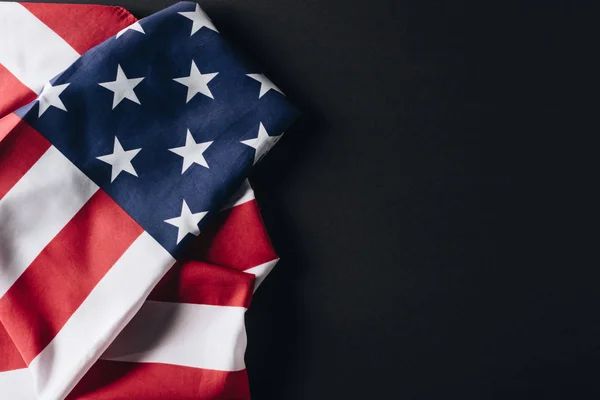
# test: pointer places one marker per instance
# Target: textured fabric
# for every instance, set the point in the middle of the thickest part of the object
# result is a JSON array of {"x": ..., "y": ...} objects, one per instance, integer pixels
[{"x": 113, "y": 284}]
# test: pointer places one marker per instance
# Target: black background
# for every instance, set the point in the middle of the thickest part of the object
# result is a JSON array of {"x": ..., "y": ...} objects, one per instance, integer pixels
[{"x": 428, "y": 208}]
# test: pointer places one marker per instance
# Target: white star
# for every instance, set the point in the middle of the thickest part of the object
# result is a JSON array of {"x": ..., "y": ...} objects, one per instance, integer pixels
[
  {"x": 199, "y": 19},
  {"x": 196, "y": 82},
  {"x": 120, "y": 160},
  {"x": 186, "y": 222},
  {"x": 262, "y": 144},
  {"x": 134, "y": 27},
  {"x": 50, "y": 97},
  {"x": 122, "y": 87},
  {"x": 191, "y": 152},
  {"x": 265, "y": 84}
]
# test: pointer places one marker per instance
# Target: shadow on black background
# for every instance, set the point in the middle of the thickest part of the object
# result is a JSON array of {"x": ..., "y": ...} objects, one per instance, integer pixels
[{"x": 277, "y": 319}]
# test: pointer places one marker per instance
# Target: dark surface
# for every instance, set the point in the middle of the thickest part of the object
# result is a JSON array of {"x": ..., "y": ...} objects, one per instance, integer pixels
[{"x": 427, "y": 208}]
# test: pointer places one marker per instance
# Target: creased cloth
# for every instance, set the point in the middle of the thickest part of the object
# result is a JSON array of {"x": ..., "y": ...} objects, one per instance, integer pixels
[{"x": 130, "y": 241}]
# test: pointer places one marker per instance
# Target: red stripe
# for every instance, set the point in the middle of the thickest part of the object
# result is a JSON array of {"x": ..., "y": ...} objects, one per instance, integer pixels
[
  {"x": 202, "y": 283},
  {"x": 9, "y": 355},
  {"x": 109, "y": 380},
  {"x": 20, "y": 147},
  {"x": 14, "y": 93},
  {"x": 235, "y": 238},
  {"x": 44, "y": 297},
  {"x": 82, "y": 26}
]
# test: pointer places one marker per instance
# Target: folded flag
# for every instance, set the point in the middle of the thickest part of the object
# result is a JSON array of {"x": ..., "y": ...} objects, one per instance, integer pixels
[{"x": 105, "y": 179}]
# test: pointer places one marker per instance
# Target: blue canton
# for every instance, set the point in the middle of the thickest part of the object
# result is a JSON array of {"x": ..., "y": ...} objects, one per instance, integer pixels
[{"x": 156, "y": 143}]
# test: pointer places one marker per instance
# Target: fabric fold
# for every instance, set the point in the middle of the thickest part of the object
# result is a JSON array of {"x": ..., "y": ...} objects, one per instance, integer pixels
[
  {"x": 139, "y": 150},
  {"x": 216, "y": 273}
]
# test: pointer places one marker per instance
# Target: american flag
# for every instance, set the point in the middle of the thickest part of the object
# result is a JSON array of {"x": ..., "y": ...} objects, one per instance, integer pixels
[{"x": 130, "y": 241}]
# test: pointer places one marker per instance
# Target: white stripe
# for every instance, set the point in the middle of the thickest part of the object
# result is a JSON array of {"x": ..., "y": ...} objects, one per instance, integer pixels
[
  {"x": 243, "y": 195},
  {"x": 17, "y": 385},
  {"x": 100, "y": 318},
  {"x": 261, "y": 271},
  {"x": 29, "y": 49},
  {"x": 193, "y": 335},
  {"x": 33, "y": 211}
]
